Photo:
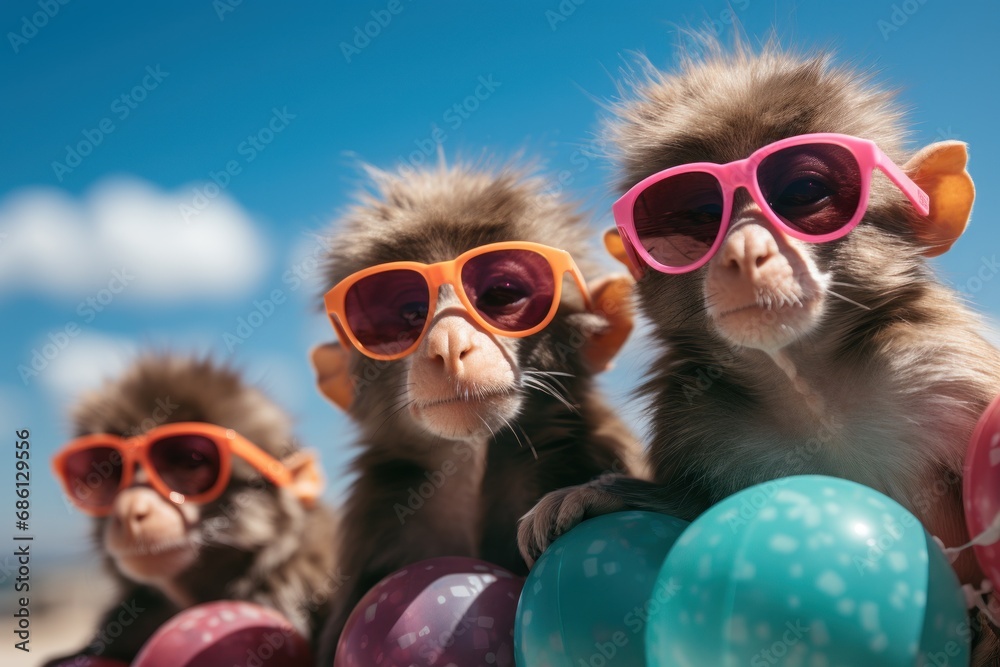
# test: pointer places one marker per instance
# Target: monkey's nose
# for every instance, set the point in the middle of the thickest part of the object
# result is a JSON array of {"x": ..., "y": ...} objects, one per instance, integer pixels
[
  {"x": 138, "y": 513},
  {"x": 449, "y": 342},
  {"x": 133, "y": 508},
  {"x": 747, "y": 251}
]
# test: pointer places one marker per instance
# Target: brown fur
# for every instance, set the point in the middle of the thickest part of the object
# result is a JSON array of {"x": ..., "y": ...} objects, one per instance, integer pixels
[
  {"x": 431, "y": 216},
  {"x": 255, "y": 542},
  {"x": 903, "y": 383}
]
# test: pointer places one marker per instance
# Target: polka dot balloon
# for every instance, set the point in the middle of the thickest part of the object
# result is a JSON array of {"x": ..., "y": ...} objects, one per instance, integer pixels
[
  {"x": 586, "y": 601},
  {"x": 227, "y": 632},
  {"x": 440, "y": 612},
  {"x": 981, "y": 491},
  {"x": 811, "y": 571}
]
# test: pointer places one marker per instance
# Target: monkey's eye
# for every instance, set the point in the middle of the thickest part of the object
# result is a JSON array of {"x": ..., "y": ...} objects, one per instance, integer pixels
[
  {"x": 188, "y": 464},
  {"x": 414, "y": 313},
  {"x": 502, "y": 295},
  {"x": 806, "y": 191}
]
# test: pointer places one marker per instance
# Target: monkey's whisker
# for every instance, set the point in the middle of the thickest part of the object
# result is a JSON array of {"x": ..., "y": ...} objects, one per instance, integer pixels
[
  {"x": 488, "y": 427},
  {"x": 516, "y": 437},
  {"x": 851, "y": 301},
  {"x": 405, "y": 405},
  {"x": 545, "y": 388}
]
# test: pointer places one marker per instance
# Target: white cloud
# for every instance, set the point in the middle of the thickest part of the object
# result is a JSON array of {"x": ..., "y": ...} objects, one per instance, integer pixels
[
  {"x": 85, "y": 363},
  {"x": 66, "y": 248}
]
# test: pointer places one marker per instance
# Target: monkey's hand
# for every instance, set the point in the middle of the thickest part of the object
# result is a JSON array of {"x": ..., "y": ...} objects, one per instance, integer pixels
[{"x": 560, "y": 510}]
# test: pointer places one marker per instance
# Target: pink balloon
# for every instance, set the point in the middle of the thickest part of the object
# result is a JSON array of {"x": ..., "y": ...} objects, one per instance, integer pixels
[
  {"x": 433, "y": 613},
  {"x": 981, "y": 488},
  {"x": 89, "y": 661},
  {"x": 225, "y": 633}
]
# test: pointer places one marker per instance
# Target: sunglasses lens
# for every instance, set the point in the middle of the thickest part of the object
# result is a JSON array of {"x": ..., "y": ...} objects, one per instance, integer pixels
[
  {"x": 386, "y": 311},
  {"x": 512, "y": 289},
  {"x": 677, "y": 220},
  {"x": 187, "y": 464},
  {"x": 814, "y": 188},
  {"x": 94, "y": 476}
]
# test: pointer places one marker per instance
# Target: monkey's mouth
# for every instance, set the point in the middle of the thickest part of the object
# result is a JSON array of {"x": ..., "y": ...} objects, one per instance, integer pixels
[
  {"x": 759, "y": 309},
  {"x": 768, "y": 326},
  {"x": 152, "y": 549},
  {"x": 468, "y": 414},
  {"x": 468, "y": 398}
]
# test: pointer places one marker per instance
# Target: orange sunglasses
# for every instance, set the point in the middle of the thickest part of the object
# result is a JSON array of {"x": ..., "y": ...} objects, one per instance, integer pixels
[
  {"x": 509, "y": 289},
  {"x": 185, "y": 462}
]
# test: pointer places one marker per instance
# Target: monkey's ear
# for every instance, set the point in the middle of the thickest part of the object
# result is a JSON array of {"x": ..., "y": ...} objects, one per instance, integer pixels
[
  {"x": 613, "y": 242},
  {"x": 333, "y": 374},
  {"x": 939, "y": 169},
  {"x": 307, "y": 480},
  {"x": 612, "y": 300},
  {"x": 616, "y": 246}
]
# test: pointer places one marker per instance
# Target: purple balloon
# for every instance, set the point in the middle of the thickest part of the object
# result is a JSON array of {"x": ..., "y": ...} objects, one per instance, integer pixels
[{"x": 434, "y": 613}]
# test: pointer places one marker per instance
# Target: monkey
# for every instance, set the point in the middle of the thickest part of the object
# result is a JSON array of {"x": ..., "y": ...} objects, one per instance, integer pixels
[
  {"x": 778, "y": 356},
  {"x": 259, "y": 540},
  {"x": 461, "y": 435}
]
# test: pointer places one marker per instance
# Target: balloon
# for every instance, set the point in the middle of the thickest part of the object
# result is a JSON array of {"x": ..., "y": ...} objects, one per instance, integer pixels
[
  {"x": 808, "y": 570},
  {"x": 981, "y": 490},
  {"x": 438, "y": 612},
  {"x": 89, "y": 661},
  {"x": 228, "y": 632},
  {"x": 586, "y": 600}
]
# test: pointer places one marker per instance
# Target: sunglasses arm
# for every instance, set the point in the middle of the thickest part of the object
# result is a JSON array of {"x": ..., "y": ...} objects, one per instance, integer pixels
[
  {"x": 912, "y": 191},
  {"x": 574, "y": 271},
  {"x": 268, "y": 466}
]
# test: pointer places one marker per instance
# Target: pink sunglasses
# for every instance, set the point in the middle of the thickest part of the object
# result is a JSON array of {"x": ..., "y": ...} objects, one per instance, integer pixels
[{"x": 814, "y": 187}]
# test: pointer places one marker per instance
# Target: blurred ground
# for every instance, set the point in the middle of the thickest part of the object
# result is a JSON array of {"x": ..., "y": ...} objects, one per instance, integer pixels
[{"x": 66, "y": 599}]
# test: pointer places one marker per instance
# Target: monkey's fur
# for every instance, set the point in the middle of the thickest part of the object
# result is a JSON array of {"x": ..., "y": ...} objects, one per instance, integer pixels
[
  {"x": 902, "y": 381},
  {"x": 429, "y": 216},
  {"x": 254, "y": 542}
]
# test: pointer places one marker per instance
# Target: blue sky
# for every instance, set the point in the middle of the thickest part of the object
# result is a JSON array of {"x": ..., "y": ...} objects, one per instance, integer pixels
[{"x": 163, "y": 97}]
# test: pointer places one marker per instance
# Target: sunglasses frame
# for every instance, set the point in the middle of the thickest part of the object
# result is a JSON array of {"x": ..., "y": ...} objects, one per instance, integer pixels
[
  {"x": 450, "y": 273},
  {"x": 743, "y": 173},
  {"x": 135, "y": 449}
]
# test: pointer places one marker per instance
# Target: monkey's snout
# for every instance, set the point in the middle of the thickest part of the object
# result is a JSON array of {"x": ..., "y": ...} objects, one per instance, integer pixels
[{"x": 762, "y": 289}]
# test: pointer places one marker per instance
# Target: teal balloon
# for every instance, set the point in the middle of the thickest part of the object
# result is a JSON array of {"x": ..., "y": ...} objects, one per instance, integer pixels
[
  {"x": 808, "y": 571},
  {"x": 586, "y": 600}
]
